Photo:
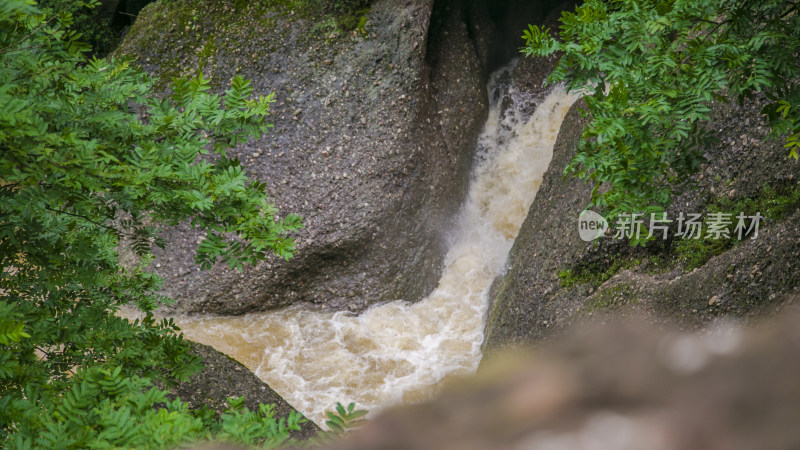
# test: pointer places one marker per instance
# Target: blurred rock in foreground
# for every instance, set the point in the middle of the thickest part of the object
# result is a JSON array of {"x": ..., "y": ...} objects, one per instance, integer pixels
[{"x": 617, "y": 387}]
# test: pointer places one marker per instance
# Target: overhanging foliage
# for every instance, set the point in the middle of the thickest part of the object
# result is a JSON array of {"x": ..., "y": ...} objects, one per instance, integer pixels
[
  {"x": 89, "y": 157},
  {"x": 653, "y": 68}
]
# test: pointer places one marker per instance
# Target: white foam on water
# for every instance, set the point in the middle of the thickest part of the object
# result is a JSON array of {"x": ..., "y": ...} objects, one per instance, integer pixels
[{"x": 400, "y": 352}]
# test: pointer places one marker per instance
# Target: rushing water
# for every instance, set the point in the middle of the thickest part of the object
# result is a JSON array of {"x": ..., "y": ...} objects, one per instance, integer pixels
[{"x": 400, "y": 352}]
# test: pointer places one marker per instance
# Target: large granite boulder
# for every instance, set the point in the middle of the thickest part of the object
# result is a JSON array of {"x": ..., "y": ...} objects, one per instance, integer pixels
[{"x": 374, "y": 133}]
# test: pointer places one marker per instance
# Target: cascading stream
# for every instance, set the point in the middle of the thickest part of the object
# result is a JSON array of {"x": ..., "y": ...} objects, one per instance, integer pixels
[{"x": 401, "y": 352}]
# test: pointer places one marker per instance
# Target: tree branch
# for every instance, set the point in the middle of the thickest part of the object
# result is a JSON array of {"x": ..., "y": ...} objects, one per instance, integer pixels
[
  {"x": 30, "y": 34},
  {"x": 82, "y": 217},
  {"x": 704, "y": 40}
]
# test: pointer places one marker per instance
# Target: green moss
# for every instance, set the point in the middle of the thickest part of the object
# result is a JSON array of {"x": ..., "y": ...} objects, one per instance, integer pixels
[
  {"x": 208, "y": 51},
  {"x": 613, "y": 297},
  {"x": 568, "y": 277},
  {"x": 353, "y": 20},
  {"x": 694, "y": 253},
  {"x": 183, "y": 38},
  {"x": 362, "y": 23},
  {"x": 325, "y": 28},
  {"x": 772, "y": 203},
  {"x": 594, "y": 274}
]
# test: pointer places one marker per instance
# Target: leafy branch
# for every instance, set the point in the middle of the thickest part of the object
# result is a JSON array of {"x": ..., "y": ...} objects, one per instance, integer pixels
[{"x": 653, "y": 70}]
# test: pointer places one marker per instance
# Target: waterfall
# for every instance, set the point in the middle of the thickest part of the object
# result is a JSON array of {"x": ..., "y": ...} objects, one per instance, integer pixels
[{"x": 401, "y": 352}]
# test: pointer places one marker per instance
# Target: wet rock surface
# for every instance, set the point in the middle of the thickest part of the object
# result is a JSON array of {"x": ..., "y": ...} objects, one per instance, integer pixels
[
  {"x": 225, "y": 377},
  {"x": 748, "y": 281}
]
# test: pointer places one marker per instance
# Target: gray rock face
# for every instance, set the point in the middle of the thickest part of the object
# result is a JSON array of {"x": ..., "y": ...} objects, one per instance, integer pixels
[
  {"x": 536, "y": 300},
  {"x": 225, "y": 377},
  {"x": 372, "y": 142}
]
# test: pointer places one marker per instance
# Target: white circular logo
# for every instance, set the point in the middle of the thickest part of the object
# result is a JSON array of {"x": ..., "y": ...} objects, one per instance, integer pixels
[{"x": 591, "y": 225}]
